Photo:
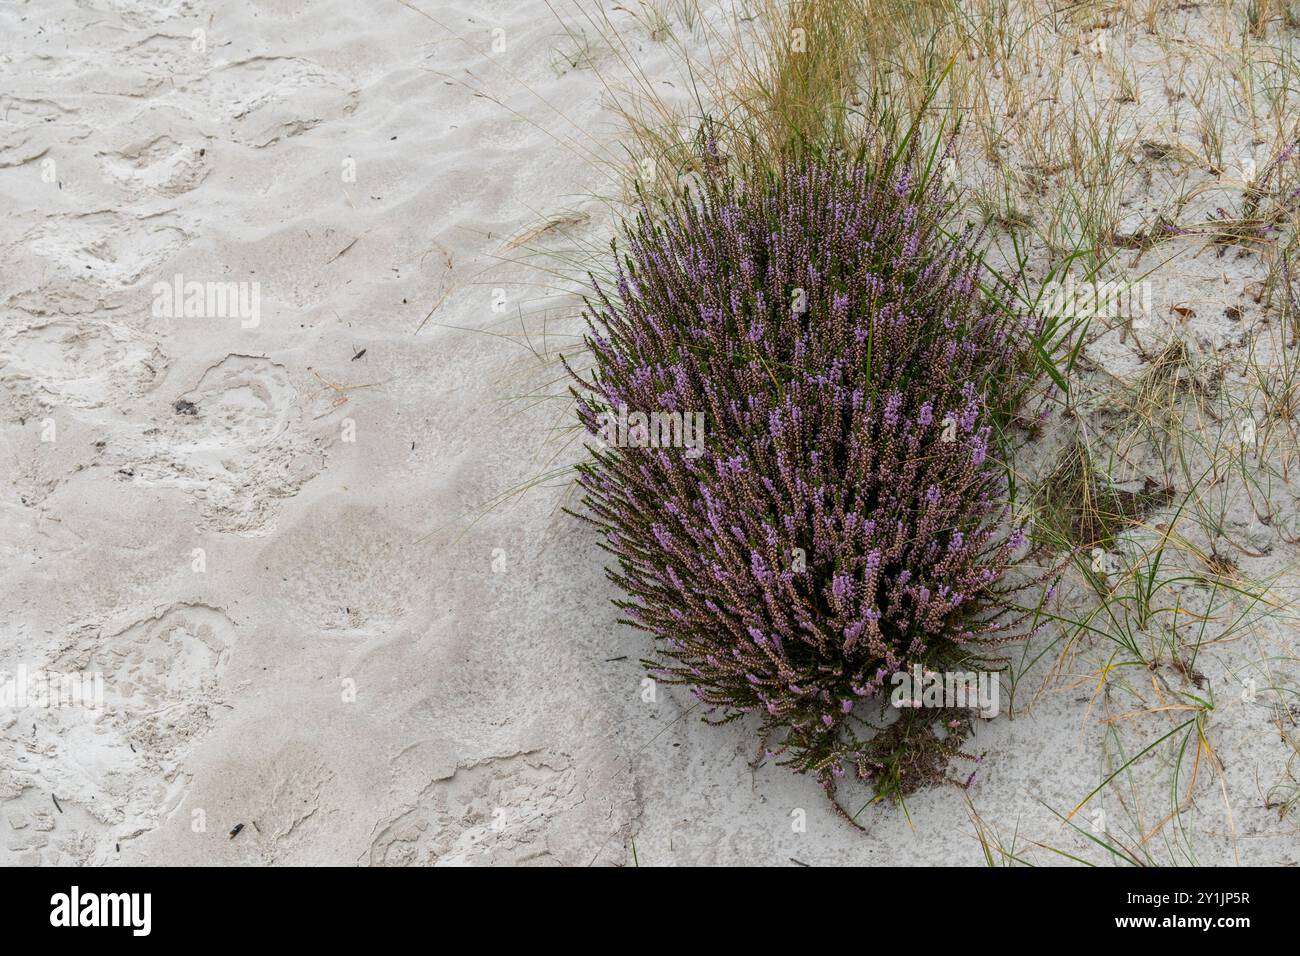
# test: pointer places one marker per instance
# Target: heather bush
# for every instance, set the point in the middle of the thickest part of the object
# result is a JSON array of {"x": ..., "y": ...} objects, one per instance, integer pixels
[{"x": 845, "y": 515}]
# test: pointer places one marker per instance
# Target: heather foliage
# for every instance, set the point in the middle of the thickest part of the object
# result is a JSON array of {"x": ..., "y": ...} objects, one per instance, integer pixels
[{"x": 848, "y": 515}]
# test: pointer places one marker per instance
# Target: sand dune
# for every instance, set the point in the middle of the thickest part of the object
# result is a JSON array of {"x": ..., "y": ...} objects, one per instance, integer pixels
[{"x": 257, "y": 526}]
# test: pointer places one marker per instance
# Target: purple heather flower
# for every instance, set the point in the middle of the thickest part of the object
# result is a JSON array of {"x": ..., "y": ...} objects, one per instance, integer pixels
[
  {"x": 817, "y": 326},
  {"x": 892, "y": 405}
]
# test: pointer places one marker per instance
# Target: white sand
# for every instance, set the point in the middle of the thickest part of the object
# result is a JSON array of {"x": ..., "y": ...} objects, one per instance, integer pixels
[{"x": 236, "y": 567}]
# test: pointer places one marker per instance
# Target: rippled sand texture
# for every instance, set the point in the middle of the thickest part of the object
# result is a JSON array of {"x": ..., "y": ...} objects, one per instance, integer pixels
[{"x": 258, "y": 534}]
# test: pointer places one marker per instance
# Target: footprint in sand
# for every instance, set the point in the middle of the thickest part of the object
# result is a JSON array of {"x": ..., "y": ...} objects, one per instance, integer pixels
[
  {"x": 159, "y": 668},
  {"x": 29, "y": 127},
  {"x": 242, "y": 402},
  {"x": 111, "y": 249},
  {"x": 270, "y": 98},
  {"x": 495, "y": 811},
  {"x": 349, "y": 571},
  {"x": 158, "y": 165},
  {"x": 77, "y": 363},
  {"x": 117, "y": 769},
  {"x": 234, "y": 442}
]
